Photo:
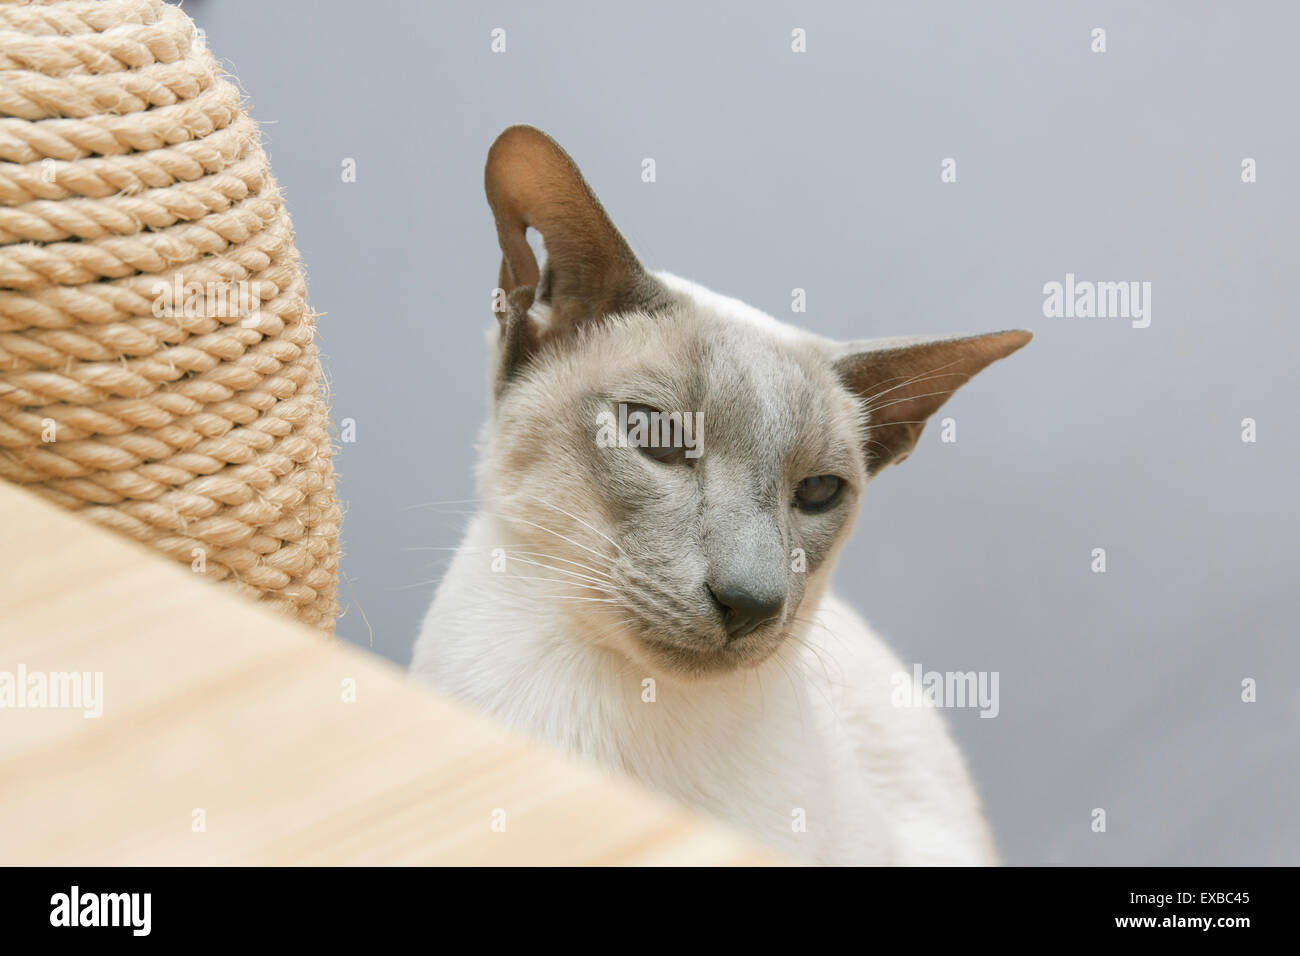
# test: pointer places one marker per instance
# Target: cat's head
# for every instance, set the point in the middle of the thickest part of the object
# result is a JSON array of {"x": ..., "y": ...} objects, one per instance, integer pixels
[{"x": 694, "y": 539}]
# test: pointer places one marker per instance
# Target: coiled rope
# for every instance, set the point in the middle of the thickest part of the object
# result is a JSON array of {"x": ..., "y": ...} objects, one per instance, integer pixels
[{"x": 158, "y": 372}]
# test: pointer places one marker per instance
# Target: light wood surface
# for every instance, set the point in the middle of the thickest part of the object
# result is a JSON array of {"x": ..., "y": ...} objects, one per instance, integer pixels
[{"x": 213, "y": 704}]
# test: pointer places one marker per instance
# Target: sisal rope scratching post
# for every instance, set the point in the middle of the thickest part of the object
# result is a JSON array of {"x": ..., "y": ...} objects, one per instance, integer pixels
[{"x": 158, "y": 373}]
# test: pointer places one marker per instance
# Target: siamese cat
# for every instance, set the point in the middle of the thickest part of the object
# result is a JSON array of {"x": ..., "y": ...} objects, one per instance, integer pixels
[{"x": 667, "y": 477}]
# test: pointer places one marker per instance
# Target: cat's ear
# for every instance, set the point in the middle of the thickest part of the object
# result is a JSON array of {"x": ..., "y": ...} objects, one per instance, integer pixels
[
  {"x": 904, "y": 381},
  {"x": 590, "y": 271}
]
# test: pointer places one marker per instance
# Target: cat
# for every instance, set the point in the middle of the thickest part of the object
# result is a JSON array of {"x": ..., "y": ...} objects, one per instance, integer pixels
[{"x": 667, "y": 614}]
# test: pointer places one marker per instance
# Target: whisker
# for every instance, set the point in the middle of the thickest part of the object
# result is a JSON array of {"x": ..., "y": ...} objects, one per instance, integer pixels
[
  {"x": 921, "y": 421},
  {"x": 538, "y": 564},
  {"x": 556, "y": 557},
  {"x": 551, "y": 504},
  {"x": 408, "y": 587},
  {"x": 511, "y": 551},
  {"x": 899, "y": 401},
  {"x": 506, "y": 517},
  {"x": 572, "y": 584},
  {"x": 575, "y": 597},
  {"x": 918, "y": 377},
  {"x": 433, "y": 504}
]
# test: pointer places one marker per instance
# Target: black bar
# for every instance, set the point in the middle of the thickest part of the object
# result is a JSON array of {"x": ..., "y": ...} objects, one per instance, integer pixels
[{"x": 331, "y": 905}]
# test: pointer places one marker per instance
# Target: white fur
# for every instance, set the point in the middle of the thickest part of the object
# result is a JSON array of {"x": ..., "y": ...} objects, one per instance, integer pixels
[{"x": 812, "y": 729}]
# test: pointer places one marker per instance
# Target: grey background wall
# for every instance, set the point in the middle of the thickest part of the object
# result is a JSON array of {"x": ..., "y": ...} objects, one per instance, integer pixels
[{"x": 821, "y": 170}]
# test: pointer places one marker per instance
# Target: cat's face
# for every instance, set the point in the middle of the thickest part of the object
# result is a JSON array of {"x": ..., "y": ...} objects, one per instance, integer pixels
[
  {"x": 703, "y": 539},
  {"x": 676, "y": 470}
]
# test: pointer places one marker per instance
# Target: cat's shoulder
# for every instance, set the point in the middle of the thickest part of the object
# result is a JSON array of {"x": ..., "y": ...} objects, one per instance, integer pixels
[{"x": 906, "y": 753}]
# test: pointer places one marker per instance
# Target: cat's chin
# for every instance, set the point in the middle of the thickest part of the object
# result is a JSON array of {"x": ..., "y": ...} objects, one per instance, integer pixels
[{"x": 689, "y": 663}]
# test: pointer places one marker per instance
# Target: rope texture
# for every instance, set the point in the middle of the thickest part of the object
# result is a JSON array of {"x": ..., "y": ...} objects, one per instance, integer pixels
[{"x": 158, "y": 370}]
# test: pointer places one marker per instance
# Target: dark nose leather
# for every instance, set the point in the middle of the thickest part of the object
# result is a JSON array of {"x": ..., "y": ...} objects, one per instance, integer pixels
[{"x": 744, "y": 610}]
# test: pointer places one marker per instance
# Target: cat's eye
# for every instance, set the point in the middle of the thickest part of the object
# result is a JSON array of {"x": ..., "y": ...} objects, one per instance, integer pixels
[
  {"x": 818, "y": 492},
  {"x": 656, "y": 434}
]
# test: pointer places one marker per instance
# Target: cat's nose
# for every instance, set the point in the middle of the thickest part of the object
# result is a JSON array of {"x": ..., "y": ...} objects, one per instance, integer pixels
[{"x": 745, "y": 610}]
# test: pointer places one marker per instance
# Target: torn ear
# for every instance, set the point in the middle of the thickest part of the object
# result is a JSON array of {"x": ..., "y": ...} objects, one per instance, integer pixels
[
  {"x": 902, "y": 382},
  {"x": 590, "y": 270}
]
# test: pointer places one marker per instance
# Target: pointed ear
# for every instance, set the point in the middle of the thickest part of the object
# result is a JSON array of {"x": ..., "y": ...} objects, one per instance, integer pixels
[
  {"x": 902, "y": 382},
  {"x": 590, "y": 271}
]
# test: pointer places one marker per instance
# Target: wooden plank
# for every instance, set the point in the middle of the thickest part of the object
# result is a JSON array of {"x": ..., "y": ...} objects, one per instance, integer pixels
[{"x": 212, "y": 704}]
